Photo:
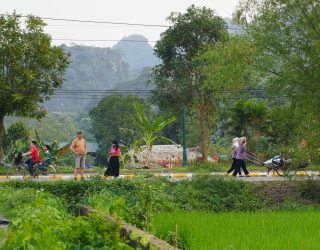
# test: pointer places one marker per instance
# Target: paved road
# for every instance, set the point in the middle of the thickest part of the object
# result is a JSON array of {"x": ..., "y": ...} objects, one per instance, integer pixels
[{"x": 254, "y": 176}]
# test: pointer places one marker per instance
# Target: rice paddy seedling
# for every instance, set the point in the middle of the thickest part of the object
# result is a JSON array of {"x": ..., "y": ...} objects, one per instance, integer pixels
[{"x": 236, "y": 230}]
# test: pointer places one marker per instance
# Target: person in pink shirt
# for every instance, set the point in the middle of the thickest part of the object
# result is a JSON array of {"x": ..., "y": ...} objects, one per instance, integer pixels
[{"x": 113, "y": 161}]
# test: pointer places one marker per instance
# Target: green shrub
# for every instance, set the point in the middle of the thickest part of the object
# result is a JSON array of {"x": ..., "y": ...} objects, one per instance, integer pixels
[
  {"x": 37, "y": 225},
  {"x": 309, "y": 190},
  {"x": 92, "y": 233},
  {"x": 71, "y": 192},
  {"x": 134, "y": 201},
  {"x": 40, "y": 221},
  {"x": 214, "y": 194}
]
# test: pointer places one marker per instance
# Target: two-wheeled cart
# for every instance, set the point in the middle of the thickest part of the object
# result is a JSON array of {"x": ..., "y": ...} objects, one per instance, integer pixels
[{"x": 281, "y": 166}]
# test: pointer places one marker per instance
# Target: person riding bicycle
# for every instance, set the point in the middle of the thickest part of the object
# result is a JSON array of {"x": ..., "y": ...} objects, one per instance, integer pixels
[
  {"x": 46, "y": 161},
  {"x": 34, "y": 157}
]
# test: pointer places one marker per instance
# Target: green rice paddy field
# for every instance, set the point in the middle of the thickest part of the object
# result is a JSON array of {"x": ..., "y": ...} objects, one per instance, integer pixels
[{"x": 263, "y": 230}]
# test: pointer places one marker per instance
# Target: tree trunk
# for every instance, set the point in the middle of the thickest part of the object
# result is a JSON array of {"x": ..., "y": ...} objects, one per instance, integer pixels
[
  {"x": 1, "y": 136},
  {"x": 202, "y": 115}
]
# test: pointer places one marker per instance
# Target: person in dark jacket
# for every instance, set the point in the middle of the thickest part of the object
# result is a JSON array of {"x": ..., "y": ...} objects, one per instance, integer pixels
[
  {"x": 233, "y": 154},
  {"x": 241, "y": 156}
]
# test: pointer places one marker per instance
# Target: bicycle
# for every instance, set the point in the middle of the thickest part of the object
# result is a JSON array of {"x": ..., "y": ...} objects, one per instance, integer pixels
[
  {"x": 48, "y": 170},
  {"x": 16, "y": 167}
]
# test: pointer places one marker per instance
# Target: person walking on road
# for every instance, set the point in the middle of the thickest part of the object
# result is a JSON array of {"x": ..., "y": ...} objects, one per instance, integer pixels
[
  {"x": 79, "y": 148},
  {"x": 113, "y": 162},
  {"x": 235, "y": 146},
  {"x": 241, "y": 156}
]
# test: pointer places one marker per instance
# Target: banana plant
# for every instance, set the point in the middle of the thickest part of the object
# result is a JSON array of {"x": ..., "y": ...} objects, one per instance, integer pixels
[
  {"x": 15, "y": 148},
  {"x": 149, "y": 130},
  {"x": 55, "y": 151}
]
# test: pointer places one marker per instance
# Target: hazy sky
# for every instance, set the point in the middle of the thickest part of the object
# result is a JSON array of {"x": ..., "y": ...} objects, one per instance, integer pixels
[{"x": 130, "y": 11}]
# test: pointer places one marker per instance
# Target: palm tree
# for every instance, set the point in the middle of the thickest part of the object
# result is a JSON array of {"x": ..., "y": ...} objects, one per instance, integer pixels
[
  {"x": 248, "y": 117},
  {"x": 149, "y": 130}
]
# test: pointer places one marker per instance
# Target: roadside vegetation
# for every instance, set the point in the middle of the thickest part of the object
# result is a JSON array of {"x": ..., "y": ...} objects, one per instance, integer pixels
[
  {"x": 41, "y": 221},
  {"x": 53, "y": 207}
]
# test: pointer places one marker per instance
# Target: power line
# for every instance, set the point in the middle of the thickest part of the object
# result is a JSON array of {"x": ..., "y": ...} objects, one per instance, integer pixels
[
  {"x": 111, "y": 22},
  {"x": 100, "y": 94},
  {"x": 101, "y": 91},
  {"x": 98, "y": 22},
  {"x": 230, "y": 98},
  {"x": 104, "y": 22}
]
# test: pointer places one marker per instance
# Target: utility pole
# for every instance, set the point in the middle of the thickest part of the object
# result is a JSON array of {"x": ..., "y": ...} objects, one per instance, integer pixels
[{"x": 183, "y": 129}]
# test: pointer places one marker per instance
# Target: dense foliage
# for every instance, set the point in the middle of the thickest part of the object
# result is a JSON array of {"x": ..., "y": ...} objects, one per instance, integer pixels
[
  {"x": 40, "y": 221},
  {"x": 17, "y": 131},
  {"x": 286, "y": 36}
]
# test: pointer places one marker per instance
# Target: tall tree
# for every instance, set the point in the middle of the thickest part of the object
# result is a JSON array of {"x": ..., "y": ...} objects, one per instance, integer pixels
[
  {"x": 201, "y": 66},
  {"x": 30, "y": 68},
  {"x": 178, "y": 79},
  {"x": 227, "y": 75}
]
